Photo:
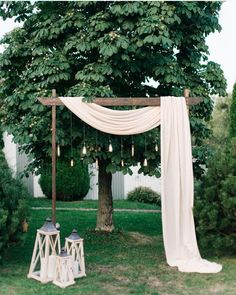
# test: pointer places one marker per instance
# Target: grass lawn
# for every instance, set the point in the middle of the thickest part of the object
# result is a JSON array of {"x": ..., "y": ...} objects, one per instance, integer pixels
[
  {"x": 129, "y": 261},
  {"x": 90, "y": 204}
]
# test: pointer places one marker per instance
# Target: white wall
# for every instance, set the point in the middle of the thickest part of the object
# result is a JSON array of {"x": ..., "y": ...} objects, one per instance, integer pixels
[
  {"x": 17, "y": 163},
  {"x": 131, "y": 182},
  {"x": 122, "y": 184},
  {"x": 10, "y": 151},
  {"x": 117, "y": 185},
  {"x": 37, "y": 188},
  {"x": 93, "y": 191}
]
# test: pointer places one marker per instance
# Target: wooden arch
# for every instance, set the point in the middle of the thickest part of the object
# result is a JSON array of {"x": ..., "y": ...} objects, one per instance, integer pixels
[{"x": 54, "y": 101}]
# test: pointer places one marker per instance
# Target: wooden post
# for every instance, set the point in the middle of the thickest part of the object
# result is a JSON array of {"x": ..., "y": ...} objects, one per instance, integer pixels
[
  {"x": 54, "y": 159},
  {"x": 186, "y": 95}
]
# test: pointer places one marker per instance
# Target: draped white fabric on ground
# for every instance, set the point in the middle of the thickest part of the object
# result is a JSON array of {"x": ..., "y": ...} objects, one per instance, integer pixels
[
  {"x": 177, "y": 190},
  {"x": 176, "y": 167}
]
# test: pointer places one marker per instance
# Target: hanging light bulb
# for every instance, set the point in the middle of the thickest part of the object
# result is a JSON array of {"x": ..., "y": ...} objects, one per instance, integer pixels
[
  {"x": 71, "y": 162},
  {"x": 110, "y": 148},
  {"x": 156, "y": 147},
  {"x": 132, "y": 147},
  {"x": 132, "y": 150},
  {"x": 84, "y": 150},
  {"x": 122, "y": 163},
  {"x": 96, "y": 151},
  {"x": 58, "y": 150},
  {"x": 145, "y": 163},
  {"x": 96, "y": 163},
  {"x": 71, "y": 141}
]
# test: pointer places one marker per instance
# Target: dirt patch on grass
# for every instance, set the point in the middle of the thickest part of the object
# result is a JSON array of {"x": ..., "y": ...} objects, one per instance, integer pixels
[
  {"x": 104, "y": 268},
  {"x": 153, "y": 282},
  {"x": 122, "y": 279},
  {"x": 217, "y": 289},
  {"x": 118, "y": 269},
  {"x": 140, "y": 239},
  {"x": 113, "y": 289},
  {"x": 121, "y": 268}
]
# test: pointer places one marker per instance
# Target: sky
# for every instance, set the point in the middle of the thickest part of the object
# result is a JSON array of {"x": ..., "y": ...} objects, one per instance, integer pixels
[{"x": 222, "y": 46}]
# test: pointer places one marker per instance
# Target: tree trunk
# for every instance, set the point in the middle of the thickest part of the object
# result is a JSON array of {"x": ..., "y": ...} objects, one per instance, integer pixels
[{"x": 105, "y": 203}]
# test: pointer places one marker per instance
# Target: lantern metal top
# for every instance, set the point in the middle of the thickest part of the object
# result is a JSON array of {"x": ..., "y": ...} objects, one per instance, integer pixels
[
  {"x": 74, "y": 235},
  {"x": 63, "y": 253},
  {"x": 48, "y": 226}
]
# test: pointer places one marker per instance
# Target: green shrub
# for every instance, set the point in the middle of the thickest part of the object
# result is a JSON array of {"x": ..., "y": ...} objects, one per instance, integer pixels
[
  {"x": 72, "y": 183},
  {"x": 14, "y": 207},
  {"x": 144, "y": 195},
  {"x": 215, "y": 203},
  {"x": 232, "y": 114}
]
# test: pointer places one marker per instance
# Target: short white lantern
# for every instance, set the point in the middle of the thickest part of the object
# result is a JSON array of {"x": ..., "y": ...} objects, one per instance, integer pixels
[
  {"x": 47, "y": 244},
  {"x": 74, "y": 247},
  {"x": 64, "y": 276}
]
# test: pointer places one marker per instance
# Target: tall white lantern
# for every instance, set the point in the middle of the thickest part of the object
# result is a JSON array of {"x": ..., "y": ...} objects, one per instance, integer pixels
[
  {"x": 74, "y": 247},
  {"x": 64, "y": 276},
  {"x": 47, "y": 245}
]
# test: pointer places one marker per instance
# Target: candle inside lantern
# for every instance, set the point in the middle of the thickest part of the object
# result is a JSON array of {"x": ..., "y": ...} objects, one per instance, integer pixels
[
  {"x": 43, "y": 268},
  {"x": 76, "y": 269},
  {"x": 51, "y": 266}
]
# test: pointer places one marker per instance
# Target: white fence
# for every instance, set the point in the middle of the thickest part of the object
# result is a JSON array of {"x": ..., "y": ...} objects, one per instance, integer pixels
[
  {"x": 17, "y": 162},
  {"x": 121, "y": 184}
]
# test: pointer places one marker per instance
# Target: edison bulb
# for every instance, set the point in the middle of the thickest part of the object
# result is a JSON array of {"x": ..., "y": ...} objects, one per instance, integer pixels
[
  {"x": 58, "y": 150},
  {"x": 110, "y": 148},
  {"x": 156, "y": 147},
  {"x": 132, "y": 150},
  {"x": 71, "y": 162},
  {"x": 145, "y": 163},
  {"x": 96, "y": 163},
  {"x": 84, "y": 150}
]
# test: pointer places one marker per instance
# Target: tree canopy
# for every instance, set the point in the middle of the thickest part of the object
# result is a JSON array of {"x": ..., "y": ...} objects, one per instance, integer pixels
[{"x": 105, "y": 49}]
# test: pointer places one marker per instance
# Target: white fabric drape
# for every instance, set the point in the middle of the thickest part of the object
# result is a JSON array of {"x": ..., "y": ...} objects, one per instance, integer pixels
[
  {"x": 176, "y": 166},
  {"x": 114, "y": 121},
  {"x": 177, "y": 190}
]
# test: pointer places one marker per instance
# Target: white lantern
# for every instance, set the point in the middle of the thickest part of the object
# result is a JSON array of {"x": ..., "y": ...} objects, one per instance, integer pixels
[
  {"x": 74, "y": 247},
  {"x": 47, "y": 244},
  {"x": 64, "y": 276}
]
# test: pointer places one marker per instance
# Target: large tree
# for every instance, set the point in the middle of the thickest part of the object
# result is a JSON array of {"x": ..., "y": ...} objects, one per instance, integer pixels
[{"x": 108, "y": 49}]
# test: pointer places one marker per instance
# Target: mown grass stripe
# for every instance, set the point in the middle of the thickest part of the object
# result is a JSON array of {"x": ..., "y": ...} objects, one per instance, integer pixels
[{"x": 92, "y": 209}]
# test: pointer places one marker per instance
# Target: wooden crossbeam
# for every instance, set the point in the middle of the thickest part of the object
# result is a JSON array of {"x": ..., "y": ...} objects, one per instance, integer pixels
[{"x": 121, "y": 101}]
